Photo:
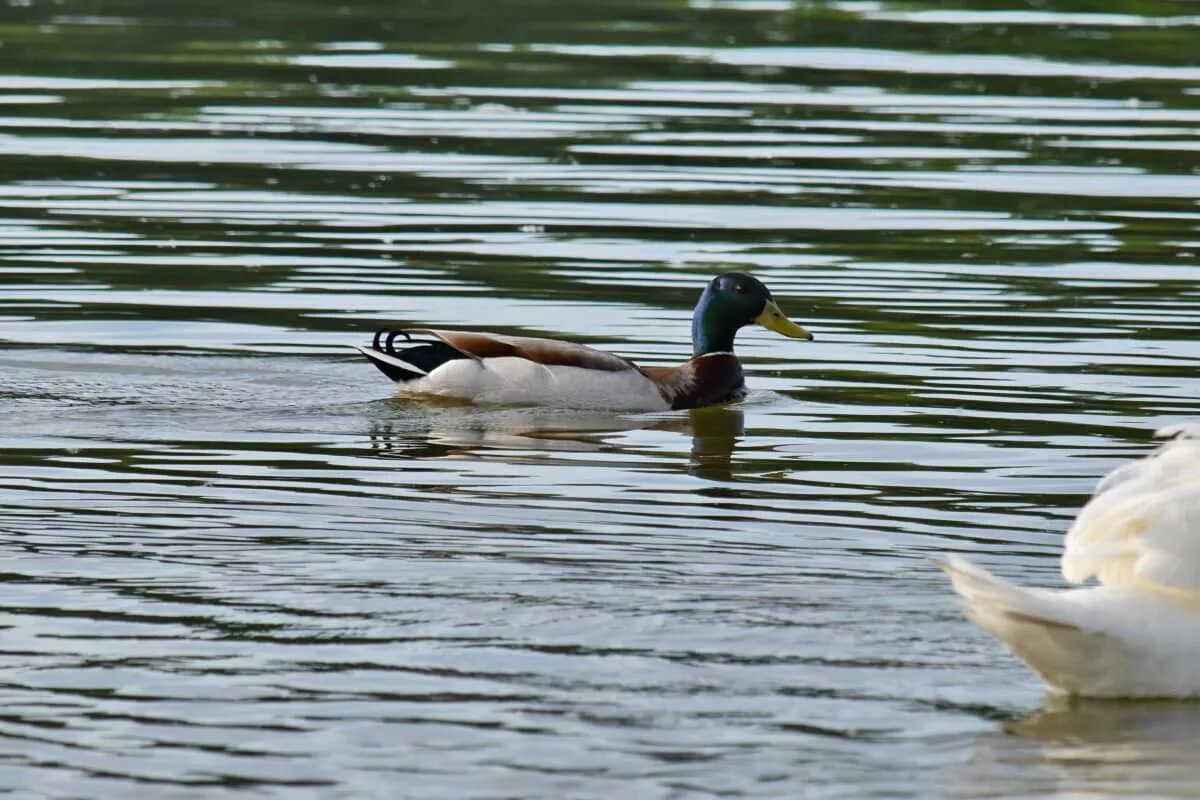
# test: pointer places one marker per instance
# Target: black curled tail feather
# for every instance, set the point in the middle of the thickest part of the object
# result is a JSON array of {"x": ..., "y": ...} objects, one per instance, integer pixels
[
  {"x": 384, "y": 339},
  {"x": 407, "y": 363}
]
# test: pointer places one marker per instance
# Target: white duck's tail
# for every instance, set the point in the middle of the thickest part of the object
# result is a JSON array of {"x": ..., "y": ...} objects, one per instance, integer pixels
[{"x": 1037, "y": 625}]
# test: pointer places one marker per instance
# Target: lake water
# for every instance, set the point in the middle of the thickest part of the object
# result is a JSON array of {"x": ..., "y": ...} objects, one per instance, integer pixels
[{"x": 235, "y": 566}]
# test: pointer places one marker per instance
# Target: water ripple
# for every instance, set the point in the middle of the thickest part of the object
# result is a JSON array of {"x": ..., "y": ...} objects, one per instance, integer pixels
[{"x": 233, "y": 561}]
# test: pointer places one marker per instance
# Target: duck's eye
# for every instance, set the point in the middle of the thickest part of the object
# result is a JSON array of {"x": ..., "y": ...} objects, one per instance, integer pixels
[{"x": 737, "y": 287}]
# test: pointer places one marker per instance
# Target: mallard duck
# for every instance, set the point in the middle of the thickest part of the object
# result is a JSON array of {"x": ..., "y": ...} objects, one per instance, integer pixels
[
  {"x": 1136, "y": 633},
  {"x": 489, "y": 368}
]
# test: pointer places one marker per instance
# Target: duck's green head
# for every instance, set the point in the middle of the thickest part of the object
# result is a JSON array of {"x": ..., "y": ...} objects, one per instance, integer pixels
[{"x": 731, "y": 301}]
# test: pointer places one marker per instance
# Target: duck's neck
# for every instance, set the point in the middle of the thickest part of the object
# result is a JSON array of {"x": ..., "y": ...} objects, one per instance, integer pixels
[{"x": 712, "y": 332}]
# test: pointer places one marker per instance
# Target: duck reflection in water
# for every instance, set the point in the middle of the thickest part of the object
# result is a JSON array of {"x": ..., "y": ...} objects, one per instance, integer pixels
[
  {"x": 1089, "y": 748},
  {"x": 411, "y": 430}
]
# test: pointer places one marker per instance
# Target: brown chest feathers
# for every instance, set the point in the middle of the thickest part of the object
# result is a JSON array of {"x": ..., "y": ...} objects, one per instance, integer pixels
[{"x": 702, "y": 381}]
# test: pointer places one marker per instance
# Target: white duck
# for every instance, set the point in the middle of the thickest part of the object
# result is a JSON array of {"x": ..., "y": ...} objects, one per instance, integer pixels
[{"x": 1136, "y": 633}]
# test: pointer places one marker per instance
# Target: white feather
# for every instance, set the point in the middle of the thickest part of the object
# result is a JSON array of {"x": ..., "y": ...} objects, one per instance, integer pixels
[
  {"x": 518, "y": 381},
  {"x": 1142, "y": 528},
  {"x": 1137, "y": 633},
  {"x": 378, "y": 355}
]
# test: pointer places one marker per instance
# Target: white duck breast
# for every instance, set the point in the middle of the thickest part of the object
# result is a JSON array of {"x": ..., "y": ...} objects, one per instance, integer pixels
[{"x": 1137, "y": 633}]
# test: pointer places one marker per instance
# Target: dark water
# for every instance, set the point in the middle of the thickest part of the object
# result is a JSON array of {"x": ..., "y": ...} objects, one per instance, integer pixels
[{"x": 233, "y": 566}]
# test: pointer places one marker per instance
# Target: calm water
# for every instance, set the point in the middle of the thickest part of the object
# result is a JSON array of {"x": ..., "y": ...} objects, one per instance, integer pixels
[{"x": 233, "y": 566}]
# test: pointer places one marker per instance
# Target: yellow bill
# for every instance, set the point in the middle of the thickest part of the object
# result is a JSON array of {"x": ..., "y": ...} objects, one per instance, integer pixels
[{"x": 773, "y": 319}]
